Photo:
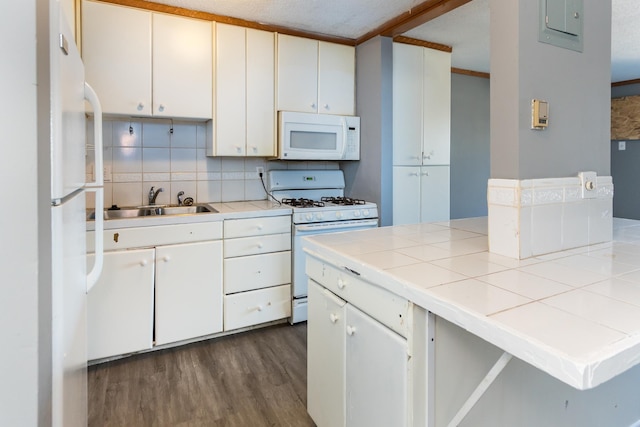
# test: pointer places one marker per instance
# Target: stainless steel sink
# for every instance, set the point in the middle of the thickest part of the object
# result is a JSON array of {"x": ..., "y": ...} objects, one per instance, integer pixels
[{"x": 159, "y": 210}]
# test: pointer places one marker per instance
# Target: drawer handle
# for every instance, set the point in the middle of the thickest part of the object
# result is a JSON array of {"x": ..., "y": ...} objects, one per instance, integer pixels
[
  {"x": 259, "y": 227},
  {"x": 260, "y": 245},
  {"x": 144, "y": 262},
  {"x": 341, "y": 284},
  {"x": 351, "y": 330},
  {"x": 259, "y": 308},
  {"x": 334, "y": 318}
]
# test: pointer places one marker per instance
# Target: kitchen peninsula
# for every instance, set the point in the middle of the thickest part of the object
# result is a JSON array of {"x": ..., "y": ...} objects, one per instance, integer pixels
[{"x": 548, "y": 340}]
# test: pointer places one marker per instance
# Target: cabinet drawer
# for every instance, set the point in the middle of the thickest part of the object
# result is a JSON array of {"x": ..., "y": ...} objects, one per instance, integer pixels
[
  {"x": 255, "y": 307},
  {"x": 257, "y": 271},
  {"x": 257, "y": 245},
  {"x": 139, "y": 237},
  {"x": 257, "y": 226},
  {"x": 384, "y": 306}
]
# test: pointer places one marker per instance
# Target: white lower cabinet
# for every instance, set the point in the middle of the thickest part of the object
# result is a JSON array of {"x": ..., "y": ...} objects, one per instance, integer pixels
[
  {"x": 257, "y": 271},
  {"x": 188, "y": 295},
  {"x": 159, "y": 285},
  {"x": 120, "y": 305},
  {"x": 357, "y": 368}
]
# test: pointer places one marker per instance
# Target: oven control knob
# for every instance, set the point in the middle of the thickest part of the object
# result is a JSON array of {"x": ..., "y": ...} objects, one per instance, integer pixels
[
  {"x": 338, "y": 215},
  {"x": 309, "y": 217},
  {"x": 365, "y": 212},
  {"x": 319, "y": 216},
  {"x": 356, "y": 213}
]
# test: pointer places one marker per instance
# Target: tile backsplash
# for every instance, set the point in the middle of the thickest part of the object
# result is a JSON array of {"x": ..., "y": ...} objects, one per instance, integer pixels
[
  {"x": 167, "y": 154},
  {"x": 539, "y": 216}
]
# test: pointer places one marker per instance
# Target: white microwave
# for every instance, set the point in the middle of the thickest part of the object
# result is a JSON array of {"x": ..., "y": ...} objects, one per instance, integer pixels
[{"x": 309, "y": 136}]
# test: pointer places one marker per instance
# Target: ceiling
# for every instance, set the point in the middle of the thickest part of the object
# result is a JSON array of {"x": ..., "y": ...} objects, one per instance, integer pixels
[{"x": 465, "y": 29}]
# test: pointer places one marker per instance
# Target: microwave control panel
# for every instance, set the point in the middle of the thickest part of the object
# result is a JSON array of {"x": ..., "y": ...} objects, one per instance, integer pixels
[{"x": 352, "y": 149}]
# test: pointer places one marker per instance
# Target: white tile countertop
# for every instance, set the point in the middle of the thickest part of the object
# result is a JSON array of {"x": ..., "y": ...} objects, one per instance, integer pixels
[
  {"x": 573, "y": 314},
  {"x": 228, "y": 210}
]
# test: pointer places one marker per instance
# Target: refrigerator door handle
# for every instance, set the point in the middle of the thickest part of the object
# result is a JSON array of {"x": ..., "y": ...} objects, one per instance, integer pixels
[{"x": 97, "y": 186}]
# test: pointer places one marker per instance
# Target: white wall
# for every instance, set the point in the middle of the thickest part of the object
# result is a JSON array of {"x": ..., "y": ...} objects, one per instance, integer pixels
[
  {"x": 19, "y": 370},
  {"x": 577, "y": 86}
]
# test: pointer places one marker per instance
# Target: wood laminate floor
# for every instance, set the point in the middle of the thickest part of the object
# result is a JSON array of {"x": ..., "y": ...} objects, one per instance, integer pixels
[{"x": 253, "y": 379}]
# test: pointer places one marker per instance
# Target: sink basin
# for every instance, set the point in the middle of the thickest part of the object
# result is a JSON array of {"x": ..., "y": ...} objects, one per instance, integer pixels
[{"x": 160, "y": 210}]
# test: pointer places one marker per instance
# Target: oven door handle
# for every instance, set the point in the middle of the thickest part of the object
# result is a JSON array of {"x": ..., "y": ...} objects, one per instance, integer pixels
[{"x": 337, "y": 226}]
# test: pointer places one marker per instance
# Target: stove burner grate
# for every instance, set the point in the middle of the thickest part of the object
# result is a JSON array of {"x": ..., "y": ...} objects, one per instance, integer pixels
[
  {"x": 347, "y": 201},
  {"x": 303, "y": 203}
]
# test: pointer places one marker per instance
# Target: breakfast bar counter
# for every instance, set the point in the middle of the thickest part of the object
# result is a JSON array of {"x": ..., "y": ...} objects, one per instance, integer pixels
[{"x": 574, "y": 315}]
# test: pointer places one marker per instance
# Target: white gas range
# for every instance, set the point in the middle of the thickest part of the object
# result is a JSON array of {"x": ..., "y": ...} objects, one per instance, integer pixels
[{"x": 319, "y": 206}]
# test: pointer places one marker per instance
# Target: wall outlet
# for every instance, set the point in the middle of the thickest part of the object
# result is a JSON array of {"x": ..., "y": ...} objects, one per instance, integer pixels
[
  {"x": 622, "y": 145},
  {"x": 260, "y": 171},
  {"x": 588, "y": 185},
  {"x": 106, "y": 176}
]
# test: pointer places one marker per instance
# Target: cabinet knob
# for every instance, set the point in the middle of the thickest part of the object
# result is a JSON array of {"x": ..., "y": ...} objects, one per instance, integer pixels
[
  {"x": 259, "y": 227},
  {"x": 144, "y": 262},
  {"x": 166, "y": 258},
  {"x": 254, "y": 148},
  {"x": 260, "y": 245},
  {"x": 238, "y": 149},
  {"x": 140, "y": 106},
  {"x": 333, "y": 318},
  {"x": 161, "y": 108},
  {"x": 326, "y": 106},
  {"x": 351, "y": 330},
  {"x": 341, "y": 284},
  {"x": 313, "y": 105},
  {"x": 259, "y": 308}
]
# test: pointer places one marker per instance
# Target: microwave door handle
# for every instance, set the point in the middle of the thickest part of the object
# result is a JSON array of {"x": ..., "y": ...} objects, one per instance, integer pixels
[{"x": 344, "y": 137}]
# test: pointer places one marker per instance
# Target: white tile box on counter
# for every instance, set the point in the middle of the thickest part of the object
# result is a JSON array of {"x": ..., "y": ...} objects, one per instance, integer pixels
[{"x": 537, "y": 216}]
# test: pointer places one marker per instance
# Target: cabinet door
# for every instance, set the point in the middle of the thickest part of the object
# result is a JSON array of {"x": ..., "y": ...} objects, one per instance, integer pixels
[
  {"x": 120, "y": 305},
  {"x": 406, "y": 195},
  {"x": 325, "y": 357},
  {"x": 116, "y": 51},
  {"x": 376, "y": 373},
  {"x": 188, "y": 291},
  {"x": 437, "y": 107},
  {"x": 231, "y": 92},
  {"x": 336, "y": 78},
  {"x": 407, "y": 104},
  {"x": 297, "y": 74},
  {"x": 182, "y": 67},
  {"x": 261, "y": 79},
  {"x": 434, "y": 193}
]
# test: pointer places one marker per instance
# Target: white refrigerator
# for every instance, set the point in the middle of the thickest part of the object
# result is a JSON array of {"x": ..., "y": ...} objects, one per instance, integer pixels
[{"x": 70, "y": 280}]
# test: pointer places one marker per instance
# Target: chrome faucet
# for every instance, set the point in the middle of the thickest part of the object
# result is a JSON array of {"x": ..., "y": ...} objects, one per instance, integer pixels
[{"x": 153, "y": 195}]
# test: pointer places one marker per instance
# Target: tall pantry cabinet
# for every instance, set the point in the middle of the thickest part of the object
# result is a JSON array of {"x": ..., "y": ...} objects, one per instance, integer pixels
[{"x": 421, "y": 134}]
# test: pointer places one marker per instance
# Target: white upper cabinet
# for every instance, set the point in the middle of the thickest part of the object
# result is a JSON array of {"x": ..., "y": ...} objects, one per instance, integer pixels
[
  {"x": 336, "y": 78},
  {"x": 315, "y": 77},
  {"x": 182, "y": 67},
  {"x": 421, "y": 106},
  {"x": 245, "y": 92},
  {"x": 116, "y": 51},
  {"x": 148, "y": 64}
]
